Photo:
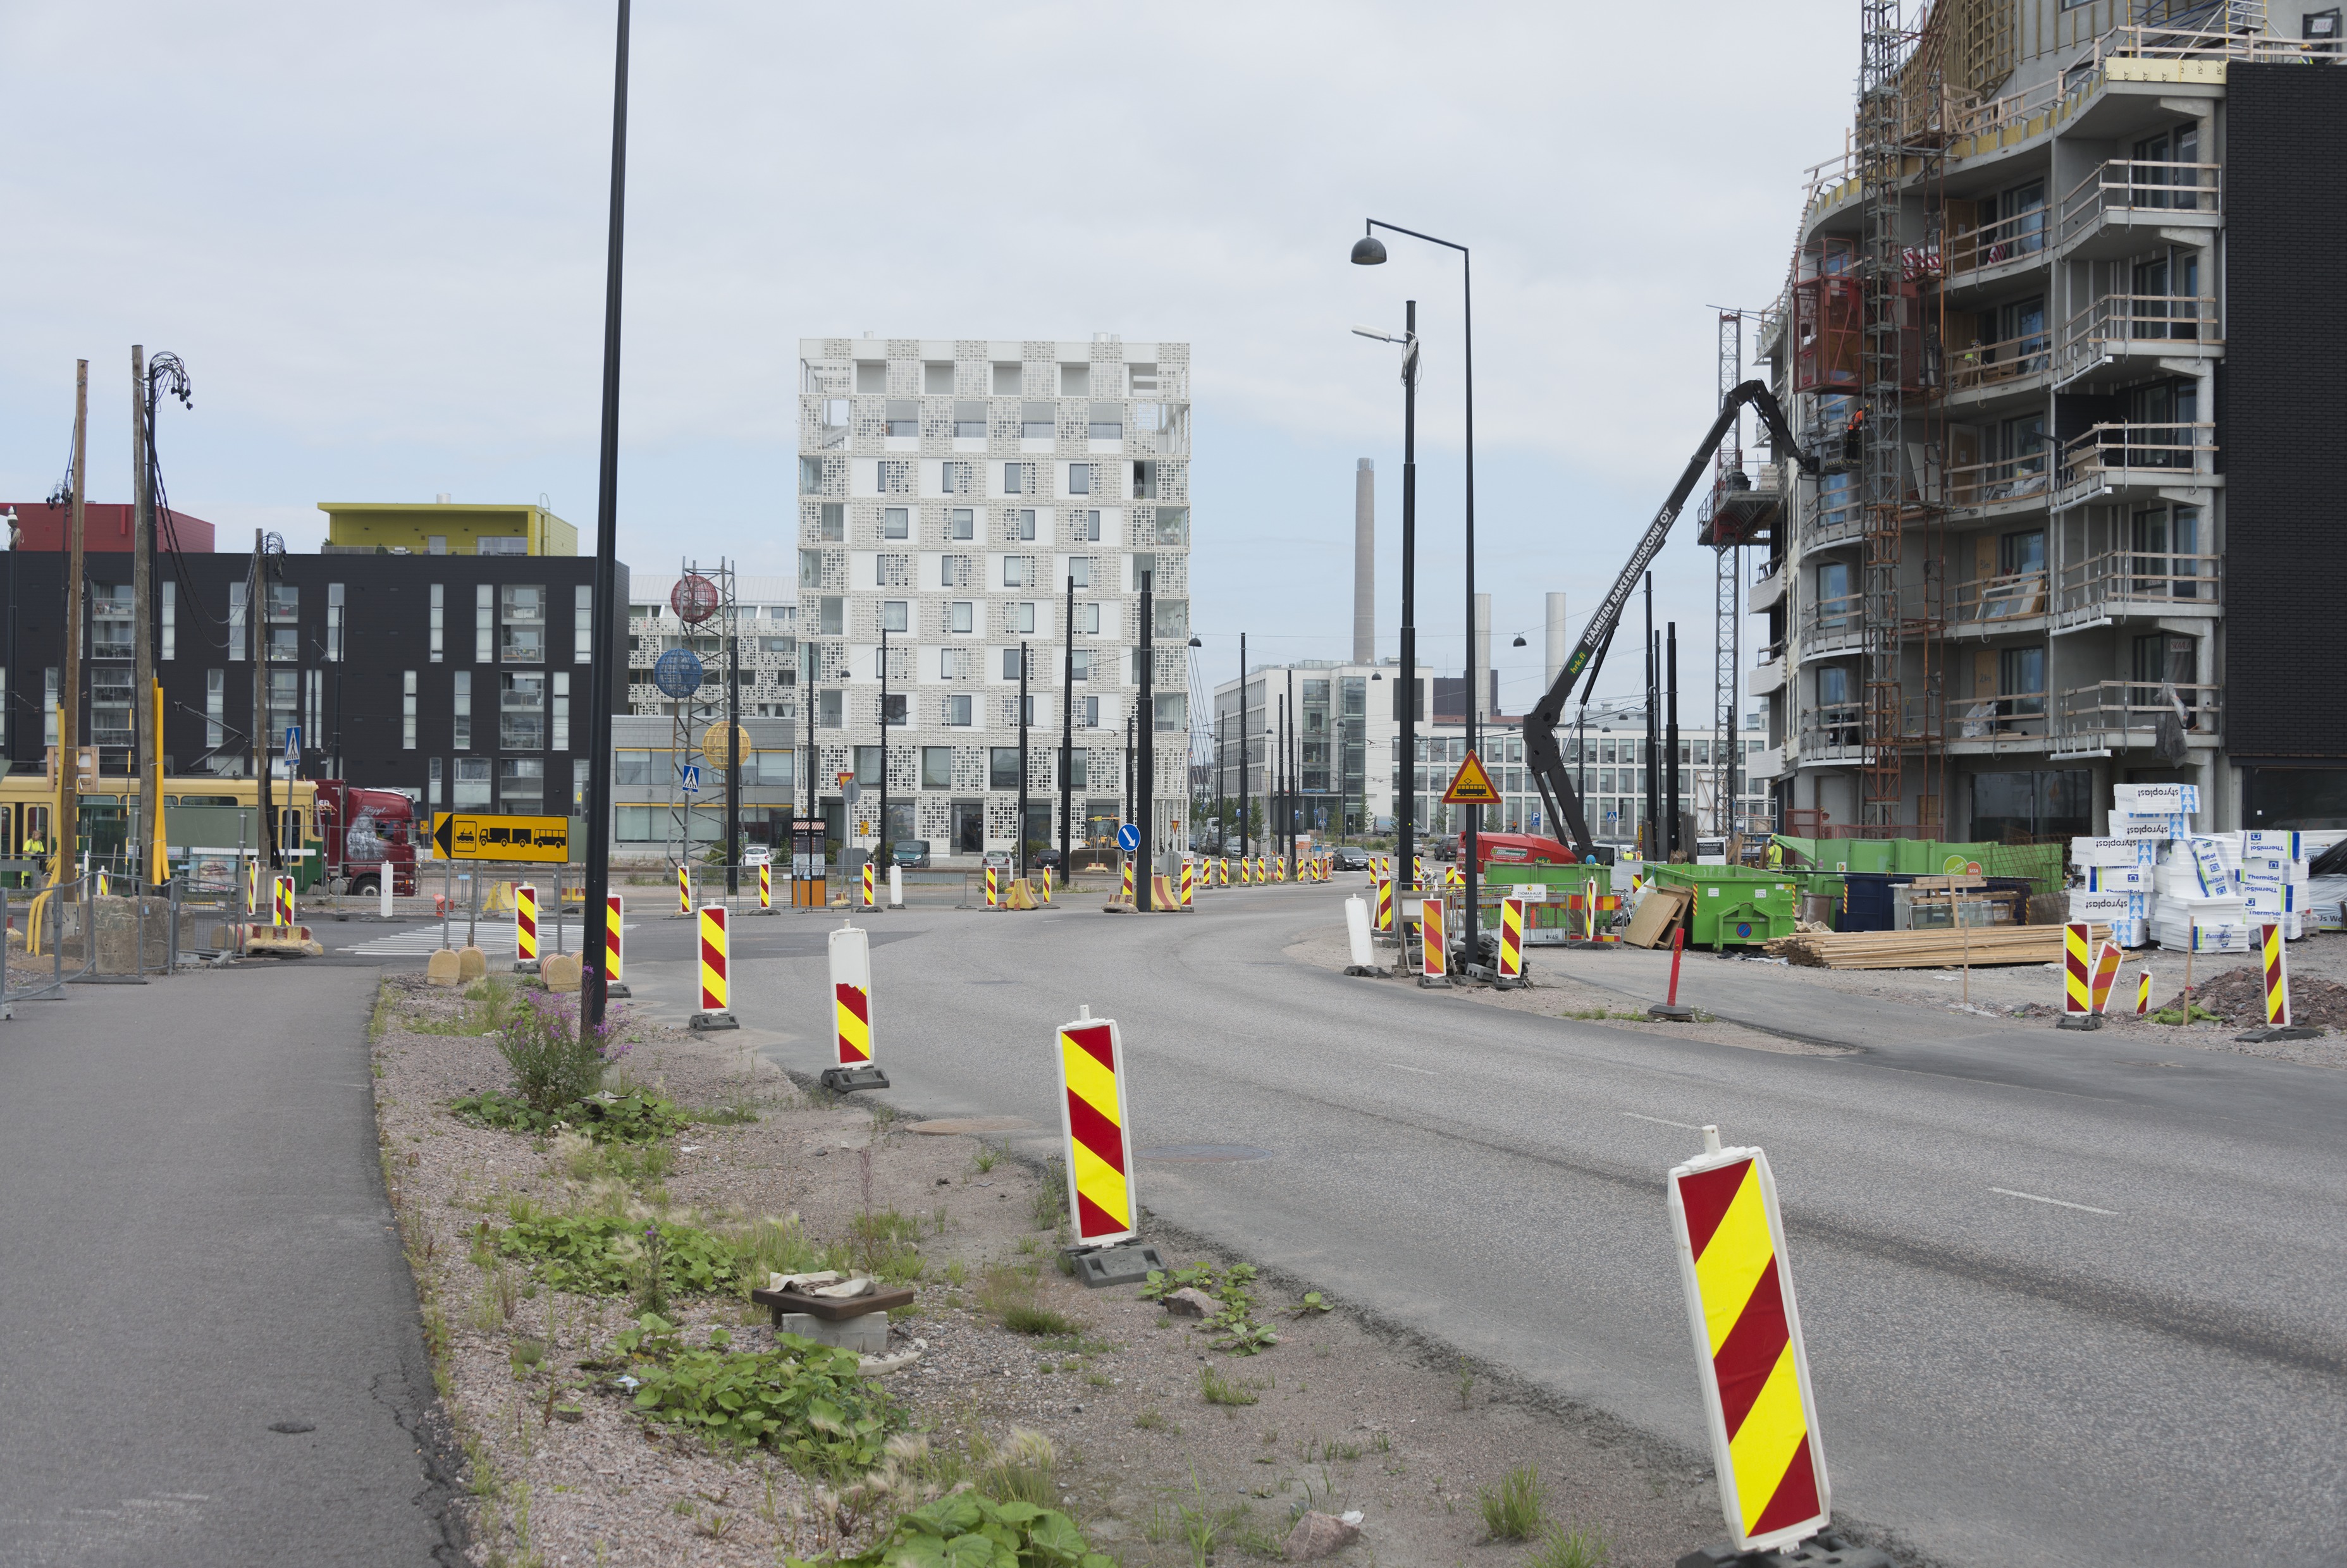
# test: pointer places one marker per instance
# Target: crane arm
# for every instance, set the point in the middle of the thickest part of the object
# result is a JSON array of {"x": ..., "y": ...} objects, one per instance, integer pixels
[{"x": 1541, "y": 752}]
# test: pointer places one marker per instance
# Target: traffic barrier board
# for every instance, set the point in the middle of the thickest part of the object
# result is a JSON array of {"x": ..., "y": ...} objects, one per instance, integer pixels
[
  {"x": 2277, "y": 976},
  {"x": 1434, "y": 955},
  {"x": 993, "y": 888},
  {"x": 1094, "y": 1120},
  {"x": 615, "y": 942},
  {"x": 868, "y": 885},
  {"x": 683, "y": 891},
  {"x": 468, "y": 835},
  {"x": 765, "y": 885},
  {"x": 283, "y": 913},
  {"x": 1385, "y": 903},
  {"x": 1512, "y": 941},
  {"x": 2077, "y": 968},
  {"x": 716, "y": 981},
  {"x": 525, "y": 923},
  {"x": 2106, "y": 970},
  {"x": 1757, "y": 1403},
  {"x": 2142, "y": 993}
]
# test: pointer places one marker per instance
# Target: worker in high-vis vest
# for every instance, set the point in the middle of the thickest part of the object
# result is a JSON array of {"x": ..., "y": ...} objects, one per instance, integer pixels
[{"x": 34, "y": 850}]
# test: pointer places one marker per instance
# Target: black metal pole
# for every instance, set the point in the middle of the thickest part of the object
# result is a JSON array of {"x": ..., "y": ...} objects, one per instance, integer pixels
[
  {"x": 879, "y": 892},
  {"x": 1144, "y": 777},
  {"x": 1406, "y": 766},
  {"x": 1128, "y": 767},
  {"x": 1671, "y": 845},
  {"x": 1291, "y": 805},
  {"x": 1068, "y": 736},
  {"x": 606, "y": 613},
  {"x": 1022, "y": 763},
  {"x": 1650, "y": 776},
  {"x": 1476, "y": 693},
  {"x": 733, "y": 744},
  {"x": 1244, "y": 739}
]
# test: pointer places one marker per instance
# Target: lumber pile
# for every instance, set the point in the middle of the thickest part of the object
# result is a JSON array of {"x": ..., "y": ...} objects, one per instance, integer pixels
[{"x": 1931, "y": 949}]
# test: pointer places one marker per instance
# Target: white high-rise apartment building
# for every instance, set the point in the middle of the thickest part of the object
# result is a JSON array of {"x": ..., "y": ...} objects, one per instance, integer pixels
[{"x": 950, "y": 492}]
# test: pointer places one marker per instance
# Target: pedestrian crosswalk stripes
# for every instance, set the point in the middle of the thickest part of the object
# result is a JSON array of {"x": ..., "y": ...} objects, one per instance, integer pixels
[{"x": 419, "y": 940}]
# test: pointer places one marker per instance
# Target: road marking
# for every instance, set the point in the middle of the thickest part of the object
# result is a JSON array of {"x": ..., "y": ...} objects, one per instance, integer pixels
[
  {"x": 1427, "y": 1071},
  {"x": 494, "y": 938},
  {"x": 2057, "y": 1202},
  {"x": 1684, "y": 1126}
]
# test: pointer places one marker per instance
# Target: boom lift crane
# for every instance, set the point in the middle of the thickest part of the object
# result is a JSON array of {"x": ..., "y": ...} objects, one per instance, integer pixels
[{"x": 1546, "y": 760}]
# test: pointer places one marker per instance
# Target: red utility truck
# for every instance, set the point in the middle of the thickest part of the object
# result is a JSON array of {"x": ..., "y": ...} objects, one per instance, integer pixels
[{"x": 362, "y": 832}]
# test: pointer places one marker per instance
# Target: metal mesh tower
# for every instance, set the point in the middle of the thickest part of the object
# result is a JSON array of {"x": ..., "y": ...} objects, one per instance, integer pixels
[{"x": 1728, "y": 583}]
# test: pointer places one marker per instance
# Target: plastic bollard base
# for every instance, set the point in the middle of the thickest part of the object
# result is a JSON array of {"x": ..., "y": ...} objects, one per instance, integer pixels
[
  {"x": 845, "y": 1080},
  {"x": 714, "y": 1021},
  {"x": 2280, "y": 1032},
  {"x": 1826, "y": 1549},
  {"x": 1666, "y": 1013},
  {"x": 618, "y": 989},
  {"x": 2088, "y": 1021},
  {"x": 1126, "y": 1263},
  {"x": 525, "y": 965}
]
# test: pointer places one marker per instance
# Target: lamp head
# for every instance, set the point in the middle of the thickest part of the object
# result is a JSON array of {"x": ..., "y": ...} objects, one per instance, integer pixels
[
  {"x": 1520, "y": 641},
  {"x": 1196, "y": 643},
  {"x": 1368, "y": 250}
]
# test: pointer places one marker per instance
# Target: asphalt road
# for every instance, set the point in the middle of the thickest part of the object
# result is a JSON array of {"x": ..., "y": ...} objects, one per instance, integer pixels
[
  {"x": 195, "y": 1247},
  {"x": 2067, "y": 1303}
]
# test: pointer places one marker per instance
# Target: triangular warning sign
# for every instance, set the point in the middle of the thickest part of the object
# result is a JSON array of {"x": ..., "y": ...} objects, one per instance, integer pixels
[{"x": 1472, "y": 786}]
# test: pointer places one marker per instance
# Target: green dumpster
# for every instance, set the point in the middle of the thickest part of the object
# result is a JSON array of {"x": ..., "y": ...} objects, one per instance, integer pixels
[
  {"x": 1735, "y": 906},
  {"x": 1547, "y": 889}
]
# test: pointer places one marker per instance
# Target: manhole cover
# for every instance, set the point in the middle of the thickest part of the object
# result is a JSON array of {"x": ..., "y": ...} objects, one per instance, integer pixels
[
  {"x": 953, "y": 1124},
  {"x": 1198, "y": 1153}
]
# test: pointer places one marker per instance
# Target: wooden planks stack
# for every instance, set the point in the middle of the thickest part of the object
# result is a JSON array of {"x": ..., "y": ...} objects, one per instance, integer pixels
[{"x": 1926, "y": 950}]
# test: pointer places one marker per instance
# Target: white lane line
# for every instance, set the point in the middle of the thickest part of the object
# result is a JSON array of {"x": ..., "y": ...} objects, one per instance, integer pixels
[
  {"x": 1427, "y": 1071},
  {"x": 2057, "y": 1202},
  {"x": 1687, "y": 1126}
]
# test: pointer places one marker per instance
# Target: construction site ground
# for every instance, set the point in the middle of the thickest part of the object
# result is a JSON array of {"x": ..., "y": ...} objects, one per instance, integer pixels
[
  {"x": 1745, "y": 997},
  {"x": 1342, "y": 1413}
]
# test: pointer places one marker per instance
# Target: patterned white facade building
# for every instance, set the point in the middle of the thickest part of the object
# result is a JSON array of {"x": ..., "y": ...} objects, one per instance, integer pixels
[{"x": 950, "y": 489}]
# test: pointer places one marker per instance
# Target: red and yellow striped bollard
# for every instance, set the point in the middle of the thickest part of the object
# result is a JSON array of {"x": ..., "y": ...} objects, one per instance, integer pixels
[
  {"x": 283, "y": 913},
  {"x": 1385, "y": 904},
  {"x": 716, "y": 983},
  {"x": 1189, "y": 874},
  {"x": 1127, "y": 893},
  {"x": 765, "y": 885},
  {"x": 1512, "y": 943},
  {"x": 1104, "y": 1208},
  {"x": 851, "y": 1007},
  {"x": 868, "y": 885},
  {"x": 1434, "y": 952},
  {"x": 525, "y": 923},
  {"x": 1746, "y": 1328},
  {"x": 684, "y": 890},
  {"x": 2277, "y": 976},
  {"x": 993, "y": 888},
  {"x": 615, "y": 942}
]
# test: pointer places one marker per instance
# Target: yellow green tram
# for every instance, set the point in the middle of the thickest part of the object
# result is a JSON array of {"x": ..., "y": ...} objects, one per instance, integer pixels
[{"x": 198, "y": 815}]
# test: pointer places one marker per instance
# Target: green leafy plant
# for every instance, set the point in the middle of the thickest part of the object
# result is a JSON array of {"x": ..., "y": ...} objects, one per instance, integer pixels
[
  {"x": 1161, "y": 1284},
  {"x": 1512, "y": 1511},
  {"x": 599, "y": 1253},
  {"x": 605, "y": 1118},
  {"x": 971, "y": 1530},
  {"x": 1313, "y": 1302},
  {"x": 554, "y": 1063},
  {"x": 2191, "y": 1013},
  {"x": 805, "y": 1401}
]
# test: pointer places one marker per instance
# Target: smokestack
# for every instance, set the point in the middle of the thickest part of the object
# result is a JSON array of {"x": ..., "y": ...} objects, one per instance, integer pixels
[
  {"x": 1365, "y": 565},
  {"x": 1560, "y": 645},
  {"x": 1479, "y": 687}
]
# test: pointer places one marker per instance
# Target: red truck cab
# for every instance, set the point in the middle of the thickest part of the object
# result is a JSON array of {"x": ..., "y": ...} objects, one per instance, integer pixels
[
  {"x": 1520, "y": 849},
  {"x": 364, "y": 832}
]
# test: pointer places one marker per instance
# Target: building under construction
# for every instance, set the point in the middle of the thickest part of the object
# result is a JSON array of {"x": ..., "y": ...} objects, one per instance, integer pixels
[{"x": 2063, "y": 320}]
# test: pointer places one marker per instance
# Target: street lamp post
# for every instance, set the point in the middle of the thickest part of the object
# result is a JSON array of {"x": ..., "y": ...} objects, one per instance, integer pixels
[
  {"x": 1406, "y": 687},
  {"x": 1370, "y": 251}
]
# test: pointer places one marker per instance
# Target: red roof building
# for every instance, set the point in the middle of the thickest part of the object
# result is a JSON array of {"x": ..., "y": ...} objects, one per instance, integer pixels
[{"x": 105, "y": 526}]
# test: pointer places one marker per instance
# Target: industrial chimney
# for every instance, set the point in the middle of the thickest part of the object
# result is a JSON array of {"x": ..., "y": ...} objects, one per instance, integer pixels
[
  {"x": 1365, "y": 565},
  {"x": 1560, "y": 645}
]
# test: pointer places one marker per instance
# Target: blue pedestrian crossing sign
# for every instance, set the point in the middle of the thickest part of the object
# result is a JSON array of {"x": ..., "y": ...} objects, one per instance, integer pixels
[
  {"x": 293, "y": 742},
  {"x": 1128, "y": 839},
  {"x": 691, "y": 772}
]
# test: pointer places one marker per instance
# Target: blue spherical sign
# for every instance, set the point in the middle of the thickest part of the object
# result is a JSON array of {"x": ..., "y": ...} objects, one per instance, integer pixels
[
  {"x": 677, "y": 674},
  {"x": 1128, "y": 839}
]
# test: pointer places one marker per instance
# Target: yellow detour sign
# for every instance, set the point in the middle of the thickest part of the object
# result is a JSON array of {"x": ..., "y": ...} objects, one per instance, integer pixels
[
  {"x": 461, "y": 835},
  {"x": 1755, "y": 1373},
  {"x": 1472, "y": 786}
]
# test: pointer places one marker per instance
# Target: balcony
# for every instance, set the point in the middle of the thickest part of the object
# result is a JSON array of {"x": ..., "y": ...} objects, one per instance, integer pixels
[
  {"x": 2125, "y": 716},
  {"x": 2001, "y": 484},
  {"x": 1985, "y": 369},
  {"x": 2126, "y": 202},
  {"x": 1833, "y": 733},
  {"x": 1833, "y": 624},
  {"x": 2125, "y": 462},
  {"x": 2014, "y": 721},
  {"x": 2128, "y": 336},
  {"x": 1767, "y": 587},
  {"x": 2121, "y": 585},
  {"x": 1839, "y": 518},
  {"x": 1992, "y": 251},
  {"x": 1767, "y": 679},
  {"x": 1989, "y": 605}
]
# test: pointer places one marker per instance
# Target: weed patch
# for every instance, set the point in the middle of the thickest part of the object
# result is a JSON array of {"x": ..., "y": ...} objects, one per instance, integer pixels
[
  {"x": 1573, "y": 1548},
  {"x": 1009, "y": 1294},
  {"x": 803, "y": 1401},
  {"x": 603, "y": 1254},
  {"x": 1512, "y": 1511},
  {"x": 1217, "y": 1389},
  {"x": 952, "y": 1529},
  {"x": 601, "y": 1118}
]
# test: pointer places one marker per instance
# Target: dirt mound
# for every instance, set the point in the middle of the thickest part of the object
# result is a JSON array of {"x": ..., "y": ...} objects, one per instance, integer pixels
[{"x": 2238, "y": 996}]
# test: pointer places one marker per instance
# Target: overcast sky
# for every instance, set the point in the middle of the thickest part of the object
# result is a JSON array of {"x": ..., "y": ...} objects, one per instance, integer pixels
[{"x": 375, "y": 235}]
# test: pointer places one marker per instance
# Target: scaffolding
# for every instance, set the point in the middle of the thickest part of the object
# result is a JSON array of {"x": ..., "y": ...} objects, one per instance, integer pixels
[{"x": 1728, "y": 561}]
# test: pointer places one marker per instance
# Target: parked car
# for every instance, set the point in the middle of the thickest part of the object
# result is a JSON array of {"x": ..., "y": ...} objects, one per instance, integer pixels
[
  {"x": 1442, "y": 847},
  {"x": 1350, "y": 858},
  {"x": 912, "y": 854},
  {"x": 1046, "y": 858}
]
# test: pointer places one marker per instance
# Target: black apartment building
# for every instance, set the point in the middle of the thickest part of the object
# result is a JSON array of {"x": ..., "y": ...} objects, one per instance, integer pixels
[{"x": 461, "y": 680}]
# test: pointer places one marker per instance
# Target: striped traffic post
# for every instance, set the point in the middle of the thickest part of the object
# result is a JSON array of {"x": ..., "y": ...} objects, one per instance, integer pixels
[
  {"x": 283, "y": 913},
  {"x": 2277, "y": 976},
  {"x": 2143, "y": 993},
  {"x": 1512, "y": 943},
  {"x": 1385, "y": 903},
  {"x": 1104, "y": 1207},
  {"x": 2106, "y": 972},
  {"x": 993, "y": 888},
  {"x": 766, "y": 886},
  {"x": 252, "y": 885},
  {"x": 868, "y": 885},
  {"x": 615, "y": 944},
  {"x": 1434, "y": 955},
  {"x": 1757, "y": 1403},
  {"x": 1125, "y": 895},
  {"x": 525, "y": 928},
  {"x": 851, "y": 1007},
  {"x": 716, "y": 984},
  {"x": 1417, "y": 872},
  {"x": 1046, "y": 887},
  {"x": 1189, "y": 877},
  {"x": 2077, "y": 978},
  {"x": 684, "y": 890}
]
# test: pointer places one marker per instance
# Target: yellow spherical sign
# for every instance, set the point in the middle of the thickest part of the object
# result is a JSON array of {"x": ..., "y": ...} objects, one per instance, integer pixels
[{"x": 713, "y": 747}]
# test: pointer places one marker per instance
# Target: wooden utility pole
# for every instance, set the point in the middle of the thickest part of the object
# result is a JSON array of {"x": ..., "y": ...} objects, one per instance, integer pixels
[
  {"x": 64, "y": 833},
  {"x": 142, "y": 592}
]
